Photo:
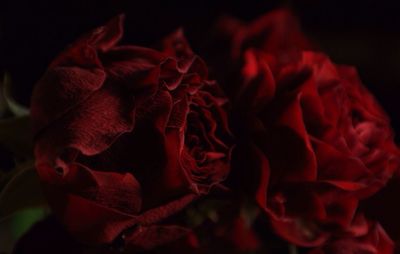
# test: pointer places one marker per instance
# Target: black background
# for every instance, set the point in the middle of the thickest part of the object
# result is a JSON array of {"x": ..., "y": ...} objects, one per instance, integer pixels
[{"x": 361, "y": 33}]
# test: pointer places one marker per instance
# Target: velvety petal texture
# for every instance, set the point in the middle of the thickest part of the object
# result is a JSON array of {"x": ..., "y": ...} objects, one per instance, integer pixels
[{"x": 126, "y": 136}]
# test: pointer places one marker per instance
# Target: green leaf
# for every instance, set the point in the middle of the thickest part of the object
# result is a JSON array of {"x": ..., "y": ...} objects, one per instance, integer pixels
[
  {"x": 23, "y": 190},
  {"x": 15, "y": 130},
  {"x": 14, "y": 107},
  {"x": 12, "y": 228},
  {"x": 21, "y": 221}
]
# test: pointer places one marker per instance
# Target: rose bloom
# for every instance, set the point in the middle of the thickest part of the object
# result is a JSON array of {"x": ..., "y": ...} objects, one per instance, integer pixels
[
  {"x": 313, "y": 141},
  {"x": 127, "y": 136}
]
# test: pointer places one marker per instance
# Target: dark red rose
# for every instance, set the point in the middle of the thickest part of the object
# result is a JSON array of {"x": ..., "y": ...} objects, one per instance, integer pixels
[
  {"x": 126, "y": 136},
  {"x": 313, "y": 140}
]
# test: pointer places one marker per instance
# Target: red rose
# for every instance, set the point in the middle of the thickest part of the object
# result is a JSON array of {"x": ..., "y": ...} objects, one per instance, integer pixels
[
  {"x": 313, "y": 140},
  {"x": 126, "y": 136}
]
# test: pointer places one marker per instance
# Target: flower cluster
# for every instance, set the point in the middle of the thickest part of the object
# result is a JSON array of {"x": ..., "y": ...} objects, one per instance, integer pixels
[{"x": 144, "y": 149}]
